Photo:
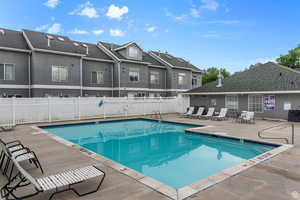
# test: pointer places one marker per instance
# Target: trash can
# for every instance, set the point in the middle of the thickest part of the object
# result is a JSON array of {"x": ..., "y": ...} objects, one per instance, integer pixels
[{"x": 294, "y": 116}]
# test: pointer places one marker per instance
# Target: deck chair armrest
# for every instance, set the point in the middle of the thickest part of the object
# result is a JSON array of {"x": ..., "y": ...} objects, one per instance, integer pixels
[
  {"x": 13, "y": 142},
  {"x": 27, "y": 151}
]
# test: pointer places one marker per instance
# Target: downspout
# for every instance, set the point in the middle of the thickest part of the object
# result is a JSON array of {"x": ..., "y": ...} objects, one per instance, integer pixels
[
  {"x": 29, "y": 75},
  {"x": 119, "y": 75},
  {"x": 112, "y": 81},
  {"x": 166, "y": 83},
  {"x": 81, "y": 76}
]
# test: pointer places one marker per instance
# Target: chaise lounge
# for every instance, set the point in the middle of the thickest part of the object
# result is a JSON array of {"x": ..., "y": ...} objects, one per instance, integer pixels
[{"x": 58, "y": 183}]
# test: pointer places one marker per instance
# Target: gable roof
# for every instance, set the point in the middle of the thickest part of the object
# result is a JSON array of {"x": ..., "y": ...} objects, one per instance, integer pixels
[
  {"x": 39, "y": 41},
  {"x": 13, "y": 39},
  {"x": 145, "y": 56},
  {"x": 175, "y": 61},
  {"x": 270, "y": 77}
]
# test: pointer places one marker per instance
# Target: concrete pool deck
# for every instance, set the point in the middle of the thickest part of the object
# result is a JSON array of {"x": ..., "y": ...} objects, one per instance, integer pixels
[{"x": 276, "y": 178}]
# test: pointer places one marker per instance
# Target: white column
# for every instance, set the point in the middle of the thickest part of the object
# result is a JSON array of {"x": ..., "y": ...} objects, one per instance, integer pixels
[
  {"x": 78, "y": 107},
  {"x": 104, "y": 114}
]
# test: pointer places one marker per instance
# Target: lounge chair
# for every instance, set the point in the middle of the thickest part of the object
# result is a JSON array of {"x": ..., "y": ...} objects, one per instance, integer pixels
[
  {"x": 248, "y": 118},
  {"x": 222, "y": 115},
  {"x": 209, "y": 113},
  {"x": 189, "y": 112},
  {"x": 57, "y": 183},
  {"x": 19, "y": 153},
  {"x": 198, "y": 114}
]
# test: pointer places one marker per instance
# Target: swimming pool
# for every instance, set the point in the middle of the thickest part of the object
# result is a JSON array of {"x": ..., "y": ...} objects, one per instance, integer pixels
[{"x": 161, "y": 150}]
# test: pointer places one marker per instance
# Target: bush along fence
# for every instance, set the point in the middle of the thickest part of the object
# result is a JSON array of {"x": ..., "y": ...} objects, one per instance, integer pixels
[{"x": 31, "y": 110}]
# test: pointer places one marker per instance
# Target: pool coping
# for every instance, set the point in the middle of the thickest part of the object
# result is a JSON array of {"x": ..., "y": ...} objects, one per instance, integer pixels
[{"x": 162, "y": 188}]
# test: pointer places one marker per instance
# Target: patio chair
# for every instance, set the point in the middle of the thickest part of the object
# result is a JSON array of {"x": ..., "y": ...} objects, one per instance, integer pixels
[
  {"x": 209, "y": 113},
  {"x": 241, "y": 116},
  {"x": 222, "y": 115},
  {"x": 189, "y": 112},
  {"x": 58, "y": 183},
  {"x": 198, "y": 114},
  {"x": 248, "y": 118},
  {"x": 20, "y": 154}
]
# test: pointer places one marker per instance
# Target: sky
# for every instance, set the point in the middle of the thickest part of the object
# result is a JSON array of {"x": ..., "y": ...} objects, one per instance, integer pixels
[{"x": 231, "y": 34}]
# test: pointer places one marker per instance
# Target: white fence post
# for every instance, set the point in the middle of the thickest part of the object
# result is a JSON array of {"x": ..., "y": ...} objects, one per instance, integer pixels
[
  {"x": 14, "y": 110},
  {"x": 144, "y": 110},
  {"x": 78, "y": 107},
  {"x": 104, "y": 114},
  {"x": 160, "y": 105},
  {"x": 49, "y": 109}
]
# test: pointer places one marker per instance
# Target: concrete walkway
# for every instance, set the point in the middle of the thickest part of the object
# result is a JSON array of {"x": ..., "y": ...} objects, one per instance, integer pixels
[{"x": 277, "y": 178}]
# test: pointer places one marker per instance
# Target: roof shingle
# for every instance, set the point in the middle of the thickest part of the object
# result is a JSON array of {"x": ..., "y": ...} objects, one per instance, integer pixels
[
  {"x": 13, "y": 39},
  {"x": 264, "y": 77}
]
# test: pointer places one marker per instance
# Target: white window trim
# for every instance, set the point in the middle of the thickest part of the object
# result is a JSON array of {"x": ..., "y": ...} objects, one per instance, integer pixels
[
  {"x": 60, "y": 81},
  {"x": 180, "y": 74},
  {"x": 137, "y": 51},
  {"x": 4, "y": 72},
  {"x": 134, "y": 70},
  {"x": 158, "y": 77},
  {"x": 101, "y": 82},
  {"x": 237, "y": 97},
  {"x": 262, "y": 102}
]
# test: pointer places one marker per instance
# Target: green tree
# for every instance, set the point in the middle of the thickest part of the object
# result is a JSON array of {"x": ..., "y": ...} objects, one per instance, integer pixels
[
  {"x": 211, "y": 74},
  {"x": 292, "y": 59}
]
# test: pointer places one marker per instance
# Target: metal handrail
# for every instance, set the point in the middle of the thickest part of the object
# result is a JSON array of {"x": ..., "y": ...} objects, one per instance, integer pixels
[{"x": 278, "y": 138}]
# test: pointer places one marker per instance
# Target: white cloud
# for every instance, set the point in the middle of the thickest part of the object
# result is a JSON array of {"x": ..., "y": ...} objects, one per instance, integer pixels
[
  {"x": 116, "y": 12},
  {"x": 116, "y": 33},
  {"x": 51, "y": 3},
  {"x": 195, "y": 12},
  {"x": 224, "y": 22},
  {"x": 210, "y": 4},
  {"x": 54, "y": 29},
  {"x": 97, "y": 32},
  {"x": 87, "y": 9},
  {"x": 151, "y": 28},
  {"x": 42, "y": 27},
  {"x": 175, "y": 17},
  {"x": 79, "y": 32}
]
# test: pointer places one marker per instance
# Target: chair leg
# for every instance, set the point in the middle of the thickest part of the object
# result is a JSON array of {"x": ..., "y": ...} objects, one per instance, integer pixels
[{"x": 6, "y": 166}]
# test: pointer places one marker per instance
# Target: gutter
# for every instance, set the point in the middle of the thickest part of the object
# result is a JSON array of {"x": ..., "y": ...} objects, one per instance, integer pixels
[
  {"x": 15, "y": 49},
  {"x": 254, "y": 92}
]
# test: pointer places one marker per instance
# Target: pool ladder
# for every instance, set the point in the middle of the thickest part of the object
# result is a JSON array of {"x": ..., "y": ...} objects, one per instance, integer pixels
[{"x": 284, "y": 125}]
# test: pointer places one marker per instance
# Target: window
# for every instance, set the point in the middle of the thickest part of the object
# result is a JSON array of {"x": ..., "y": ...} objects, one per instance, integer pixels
[
  {"x": 59, "y": 73},
  {"x": 232, "y": 102},
  {"x": 255, "y": 103},
  {"x": 7, "y": 71},
  {"x": 133, "y": 52},
  {"x": 181, "y": 78},
  {"x": 154, "y": 78},
  {"x": 97, "y": 77},
  {"x": 134, "y": 75},
  {"x": 194, "y": 82}
]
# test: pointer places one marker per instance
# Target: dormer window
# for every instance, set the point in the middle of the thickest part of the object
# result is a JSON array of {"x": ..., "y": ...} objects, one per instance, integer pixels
[{"x": 133, "y": 52}]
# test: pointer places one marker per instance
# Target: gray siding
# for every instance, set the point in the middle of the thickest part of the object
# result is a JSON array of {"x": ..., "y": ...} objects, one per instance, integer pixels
[
  {"x": 42, "y": 68},
  {"x": 162, "y": 78},
  {"x": 93, "y": 66},
  {"x": 20, "y": 61},
  {"x": 14, "y": 92},
  {"x": 55, "y": 93},
  {"x": 143, "y": 73},
  {"x": 278, "y": 112},
  {"x": 188, "y": 82}
]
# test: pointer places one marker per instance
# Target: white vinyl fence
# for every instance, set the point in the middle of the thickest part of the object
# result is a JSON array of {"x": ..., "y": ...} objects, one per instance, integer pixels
[{"x": 30, "y": 110}]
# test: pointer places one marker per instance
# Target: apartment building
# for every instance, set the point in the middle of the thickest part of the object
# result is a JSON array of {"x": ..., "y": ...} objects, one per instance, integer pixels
[{"x": 36, "y": 64}]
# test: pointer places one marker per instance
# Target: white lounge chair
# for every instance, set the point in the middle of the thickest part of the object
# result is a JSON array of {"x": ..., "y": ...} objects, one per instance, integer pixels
[
  {"x": 57, "y": 183},
  {"x": 248, "y": 118},
  {"x": 189, "y": 112},
  {"x": 17, "y": 151},
  {"x": 198, "y": 114},
  {"x": 209, "y": 113},
  {"x": 222, "y": 114}
]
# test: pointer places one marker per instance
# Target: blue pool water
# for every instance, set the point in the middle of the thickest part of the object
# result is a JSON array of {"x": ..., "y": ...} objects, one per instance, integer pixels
[{"x": 161, "y": 150}]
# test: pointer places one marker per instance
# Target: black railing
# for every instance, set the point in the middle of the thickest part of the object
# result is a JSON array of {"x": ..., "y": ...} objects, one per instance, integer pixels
[{"x": 284, "y": 125}]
